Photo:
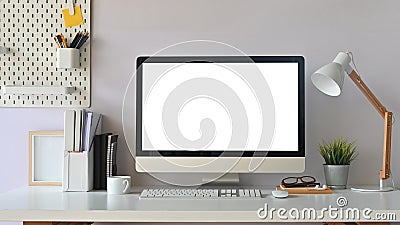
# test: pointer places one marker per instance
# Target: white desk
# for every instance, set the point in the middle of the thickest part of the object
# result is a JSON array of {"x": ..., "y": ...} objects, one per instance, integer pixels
[{"x": 51, "y": 204}]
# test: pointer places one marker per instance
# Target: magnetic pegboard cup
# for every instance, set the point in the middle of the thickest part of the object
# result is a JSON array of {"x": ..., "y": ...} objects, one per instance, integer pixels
[{"x": 67, "y": 58}]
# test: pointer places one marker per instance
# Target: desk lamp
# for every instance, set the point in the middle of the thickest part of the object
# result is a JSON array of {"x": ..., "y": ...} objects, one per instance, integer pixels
[{"x": 329, "y": 80}]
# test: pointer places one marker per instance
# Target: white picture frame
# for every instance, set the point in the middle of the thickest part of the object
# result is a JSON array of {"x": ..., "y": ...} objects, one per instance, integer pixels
[{"x": 46, "y": 149}]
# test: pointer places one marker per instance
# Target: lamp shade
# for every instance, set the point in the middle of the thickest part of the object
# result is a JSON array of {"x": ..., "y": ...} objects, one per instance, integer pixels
[{"x": 329, "y": 78}]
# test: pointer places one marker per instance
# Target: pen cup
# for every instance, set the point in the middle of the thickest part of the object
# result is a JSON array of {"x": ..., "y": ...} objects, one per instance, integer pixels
[{"x": 67, "y": 58}]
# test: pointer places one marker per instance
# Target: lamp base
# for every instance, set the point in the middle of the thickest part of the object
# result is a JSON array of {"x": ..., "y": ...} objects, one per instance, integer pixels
[
  {"x": 383, "y": 187},
  {"x": 373, "y": 189}
]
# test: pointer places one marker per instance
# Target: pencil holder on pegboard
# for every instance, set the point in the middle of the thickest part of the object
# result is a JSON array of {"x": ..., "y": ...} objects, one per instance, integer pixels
[{"x": 67, "y": 58}]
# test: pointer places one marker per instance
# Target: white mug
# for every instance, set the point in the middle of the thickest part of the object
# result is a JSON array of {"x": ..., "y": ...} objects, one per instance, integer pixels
[{"x": 117, "y": 185}]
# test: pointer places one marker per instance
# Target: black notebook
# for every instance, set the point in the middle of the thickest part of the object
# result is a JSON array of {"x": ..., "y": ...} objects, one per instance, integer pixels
[
  {"x": 111, "y": 166},
  {"x": 100, "y": 161}
]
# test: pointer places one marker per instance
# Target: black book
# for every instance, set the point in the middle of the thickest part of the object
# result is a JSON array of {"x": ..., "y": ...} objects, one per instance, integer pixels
[
  {"x": 96, "y": 162},
  {"x": 100, "y": 157}
]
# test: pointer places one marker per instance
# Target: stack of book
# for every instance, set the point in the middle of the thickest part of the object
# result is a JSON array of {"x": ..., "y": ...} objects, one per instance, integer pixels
[
  {"x": 79, "y": 129},
  {"x": 105, "y": 152}
]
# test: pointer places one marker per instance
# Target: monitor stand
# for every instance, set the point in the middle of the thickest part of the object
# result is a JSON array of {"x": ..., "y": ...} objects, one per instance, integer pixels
[{"x": 226, "y": 179}]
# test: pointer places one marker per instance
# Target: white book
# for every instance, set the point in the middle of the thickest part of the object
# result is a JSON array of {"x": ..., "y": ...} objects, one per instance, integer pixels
[
  {"x": 78, "y": 130},
  {"x": 69, "y": 130},
  {"x": 87, "y": 126},
  {"x": 86, "y": 129}
]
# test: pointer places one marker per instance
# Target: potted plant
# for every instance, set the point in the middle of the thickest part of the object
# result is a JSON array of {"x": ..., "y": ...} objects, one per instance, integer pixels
[{"x": 338, "y": 154}]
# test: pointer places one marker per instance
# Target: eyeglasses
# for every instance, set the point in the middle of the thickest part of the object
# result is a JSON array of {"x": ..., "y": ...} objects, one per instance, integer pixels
[{"x": 304, "y": 181}]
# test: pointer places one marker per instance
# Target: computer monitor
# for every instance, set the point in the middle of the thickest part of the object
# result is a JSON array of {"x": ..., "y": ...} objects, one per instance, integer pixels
[{"x": 220, "y": 114}]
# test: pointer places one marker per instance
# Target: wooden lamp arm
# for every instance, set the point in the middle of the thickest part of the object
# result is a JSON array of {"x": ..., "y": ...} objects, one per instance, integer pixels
[{"x": 386, "y": 115}]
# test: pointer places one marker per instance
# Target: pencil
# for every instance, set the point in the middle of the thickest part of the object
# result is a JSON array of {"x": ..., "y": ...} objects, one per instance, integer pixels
[
  {"x": 76, "y": 38},
  {"x": 57, "y": 42},
  {"x": 83, "y": 40},
  {"x": 60, "y": 42},
  {"x": 79, "y": 41},
  {"x": 63, "y": 40}
]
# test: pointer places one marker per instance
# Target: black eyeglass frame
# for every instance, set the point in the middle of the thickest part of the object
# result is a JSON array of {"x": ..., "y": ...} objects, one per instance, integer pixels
[{"x": 303, "y": 183}]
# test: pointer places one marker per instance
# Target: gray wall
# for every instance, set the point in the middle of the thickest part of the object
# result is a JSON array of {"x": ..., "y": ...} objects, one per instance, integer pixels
[{"x": 122, "y": 30}]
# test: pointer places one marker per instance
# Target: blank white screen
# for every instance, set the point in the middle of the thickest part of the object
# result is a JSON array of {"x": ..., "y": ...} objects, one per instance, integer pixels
[{"x": 161, "y": 80}]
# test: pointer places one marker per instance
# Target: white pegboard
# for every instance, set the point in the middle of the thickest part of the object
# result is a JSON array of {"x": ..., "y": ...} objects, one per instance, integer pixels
[{"x": 27, "y": 27}]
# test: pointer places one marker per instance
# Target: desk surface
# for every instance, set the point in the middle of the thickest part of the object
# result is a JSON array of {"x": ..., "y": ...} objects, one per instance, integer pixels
[{"x": 51, "y": 204}]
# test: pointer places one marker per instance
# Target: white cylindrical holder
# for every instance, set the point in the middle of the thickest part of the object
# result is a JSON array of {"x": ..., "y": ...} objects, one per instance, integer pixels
[{"x": 67, "y": 58}]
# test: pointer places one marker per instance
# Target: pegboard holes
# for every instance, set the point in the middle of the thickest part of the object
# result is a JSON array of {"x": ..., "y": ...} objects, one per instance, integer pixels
[{"x": 29, "y": 27}]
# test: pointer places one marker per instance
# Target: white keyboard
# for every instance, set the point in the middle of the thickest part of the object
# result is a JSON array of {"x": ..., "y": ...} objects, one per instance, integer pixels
[{"x": 235, "y": 193}]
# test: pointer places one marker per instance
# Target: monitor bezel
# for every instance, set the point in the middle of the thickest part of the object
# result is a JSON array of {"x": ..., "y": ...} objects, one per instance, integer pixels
[{"x": 222, "y": 59}]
